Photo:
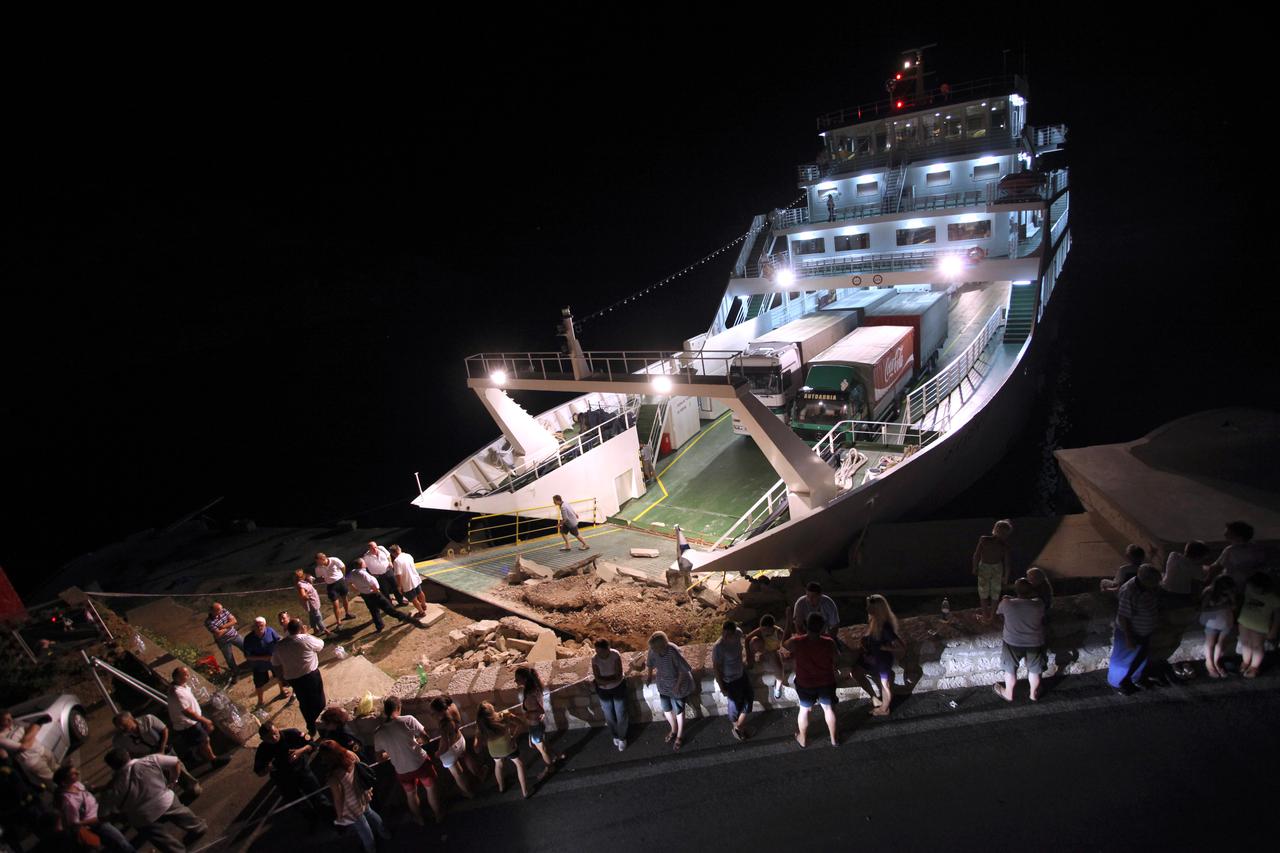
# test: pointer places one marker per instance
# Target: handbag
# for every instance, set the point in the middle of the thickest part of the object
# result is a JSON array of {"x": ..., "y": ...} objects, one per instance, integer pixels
[{"x": 86, "y": 837}]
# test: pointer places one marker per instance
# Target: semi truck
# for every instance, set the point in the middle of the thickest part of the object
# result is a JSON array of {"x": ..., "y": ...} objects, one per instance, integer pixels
[
  {"x": 861, "y": 378},
  {"x": 926, "y": 313},
  {"x": 773, "y": 364}
]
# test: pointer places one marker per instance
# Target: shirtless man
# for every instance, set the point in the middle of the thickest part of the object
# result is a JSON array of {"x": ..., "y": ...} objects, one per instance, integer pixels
[{"x": 991, "y": 567}]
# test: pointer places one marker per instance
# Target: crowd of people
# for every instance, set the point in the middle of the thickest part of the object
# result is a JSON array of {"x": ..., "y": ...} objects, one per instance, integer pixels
[{"x": 338, "y": 769}]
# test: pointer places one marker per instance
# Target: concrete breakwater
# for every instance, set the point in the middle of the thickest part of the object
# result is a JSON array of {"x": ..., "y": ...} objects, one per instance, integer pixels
[{"x": 941, "y": 654}]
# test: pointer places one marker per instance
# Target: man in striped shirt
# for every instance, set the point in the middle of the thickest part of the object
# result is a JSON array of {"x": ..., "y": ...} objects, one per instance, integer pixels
[{"x": 1136, "y": 618}]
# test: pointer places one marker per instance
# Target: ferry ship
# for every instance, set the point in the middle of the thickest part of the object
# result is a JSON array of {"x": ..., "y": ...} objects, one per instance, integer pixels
[{"x": 874, "y": 352}]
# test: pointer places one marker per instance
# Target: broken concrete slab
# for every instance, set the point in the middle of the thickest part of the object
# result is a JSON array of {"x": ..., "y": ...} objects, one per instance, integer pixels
[
  {"x": 544, "y": 649},
  {"x": 606, "y": 571},
  {"x": 433, "y": 615},
  {"x": 514, "y": 626},
  {"x": 735, "y": 589},
  {"x": 534, "y": 570},
  {"x": 520, "y": 645},
  {"x": 644, "y": 552},
  {"x": 477, "y": 630}
]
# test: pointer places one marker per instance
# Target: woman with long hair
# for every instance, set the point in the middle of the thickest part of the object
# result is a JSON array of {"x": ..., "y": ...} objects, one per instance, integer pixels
[
  {"x": 535, "y": 715},
  {"x": 498, "y": 732},
  {"x": 351, "y": 796},
  {"x": 764, "y": 644},
  {"x": 879, "y": 645},
  {"x": 453, "y": 752}
]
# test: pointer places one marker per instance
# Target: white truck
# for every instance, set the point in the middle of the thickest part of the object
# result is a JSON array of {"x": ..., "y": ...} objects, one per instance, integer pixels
[{"x": 774, "y": 363}]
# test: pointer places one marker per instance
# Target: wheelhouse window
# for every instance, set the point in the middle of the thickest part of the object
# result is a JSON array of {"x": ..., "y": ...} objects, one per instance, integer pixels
[
  {"x": 852, "y": 242},
  {"x": 986, "y": 173},
  {"x": 969, "y": 230},
  {"x": 867, "y": 188},
  {"x": 975, "y": 120},
  {"x": 937, "y": 179},
  {"x": 917, "y": 236},
  {"x": 816, "y": 246},
  {"x": 1000, "y": 117}
]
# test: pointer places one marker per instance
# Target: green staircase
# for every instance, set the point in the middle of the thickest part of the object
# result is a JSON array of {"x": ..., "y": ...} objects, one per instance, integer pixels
[
  {"x": 1022, "y": 313},
  {"x": 755, "y": 304},
  {"x": 644, "y": 420}
]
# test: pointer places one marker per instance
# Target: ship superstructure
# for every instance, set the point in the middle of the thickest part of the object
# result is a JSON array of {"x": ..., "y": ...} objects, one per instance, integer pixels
[{"x": 930, "y": 191}]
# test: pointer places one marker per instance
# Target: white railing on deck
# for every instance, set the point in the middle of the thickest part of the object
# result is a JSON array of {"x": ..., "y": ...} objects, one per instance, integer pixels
[
  {"x": 768, "y": 503},
  {"x": 931, "y": 394}
]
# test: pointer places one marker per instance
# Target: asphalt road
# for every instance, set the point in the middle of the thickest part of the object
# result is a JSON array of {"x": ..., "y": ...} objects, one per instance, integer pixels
[{"x": 1180, "y": 768}]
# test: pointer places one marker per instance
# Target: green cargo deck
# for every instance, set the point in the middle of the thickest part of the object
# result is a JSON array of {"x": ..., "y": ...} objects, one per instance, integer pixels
[{"x": 705, "y": 485}]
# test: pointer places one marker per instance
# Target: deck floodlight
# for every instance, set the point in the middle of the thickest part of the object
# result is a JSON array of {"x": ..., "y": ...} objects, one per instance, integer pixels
[
  {"x": 662, "y": 384},
  {"x": 950, "y": 265},
  {"x": 499, "y": 377},
  {"x": 785, "y": 278}
]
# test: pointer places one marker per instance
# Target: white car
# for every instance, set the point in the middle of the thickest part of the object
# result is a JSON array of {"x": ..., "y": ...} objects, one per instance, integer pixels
[{"x": 67, "y": 726}]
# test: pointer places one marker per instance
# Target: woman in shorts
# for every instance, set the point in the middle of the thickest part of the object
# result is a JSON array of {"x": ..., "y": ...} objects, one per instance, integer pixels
[
  {"x": 675, "y": 682},
  {"x": 535, "y": 715},
  {"x": 814, "y": 655},
  {"x": 879, "y": 645},
  {"x": 498, "y": 733},
  {"x": 453, "y": 752},
  {"x": 1259, "y": 621}
]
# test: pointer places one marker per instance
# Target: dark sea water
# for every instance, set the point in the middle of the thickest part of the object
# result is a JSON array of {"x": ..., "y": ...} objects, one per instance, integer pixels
[{"x": 268, "y": 299}]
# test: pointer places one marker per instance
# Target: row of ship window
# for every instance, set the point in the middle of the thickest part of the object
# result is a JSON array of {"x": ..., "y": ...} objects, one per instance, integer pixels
[
  {"x": 973, "y": 121},
  {"x": 939, "y": 178},
  {"x": 979, "y": 230}
]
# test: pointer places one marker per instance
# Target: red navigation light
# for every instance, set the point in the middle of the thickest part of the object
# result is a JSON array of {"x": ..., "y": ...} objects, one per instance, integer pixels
[
  {"x": 899, "y": 104},
  {"x": 898, "y": 76}
]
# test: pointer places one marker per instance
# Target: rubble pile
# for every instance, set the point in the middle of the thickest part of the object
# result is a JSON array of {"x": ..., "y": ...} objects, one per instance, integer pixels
[{"x": 499, "y": 642}]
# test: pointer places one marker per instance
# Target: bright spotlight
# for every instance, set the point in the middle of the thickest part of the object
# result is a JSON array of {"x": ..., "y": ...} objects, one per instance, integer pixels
[
  {"x": 662, "y": 384},
  {"x": 950, "y": 266},
  {"x": 499, "y": 377},
  {"x": 785, "y": 278}
]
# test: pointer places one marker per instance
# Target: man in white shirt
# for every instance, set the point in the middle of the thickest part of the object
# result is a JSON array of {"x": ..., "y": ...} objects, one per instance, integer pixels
[
  {"x": 408, "y": 581},
  {"x": 297, "y": 659},
  {"x": 139, "y": 789},
  {"x": 400, "y": 740},
  {"x": 568, "y": 524},
  {"x": 147, "y": 735},
  {"x": 367, "y": 586},
  {"x": 187, "y": 719},
  {"x": 332, "y": 572},
  {"x": 378, "y": 561}
]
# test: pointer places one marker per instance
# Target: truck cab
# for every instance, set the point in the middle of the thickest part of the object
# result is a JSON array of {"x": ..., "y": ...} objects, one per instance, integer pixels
[{"x": 860, "y": 378}]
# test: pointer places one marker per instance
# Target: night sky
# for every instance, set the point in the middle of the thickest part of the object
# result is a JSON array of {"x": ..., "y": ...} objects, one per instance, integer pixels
[{"x": 241, "y": 273}]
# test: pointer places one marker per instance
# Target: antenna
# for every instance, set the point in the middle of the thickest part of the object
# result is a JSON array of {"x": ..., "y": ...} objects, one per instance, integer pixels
[{"x": 911, "y": 69}]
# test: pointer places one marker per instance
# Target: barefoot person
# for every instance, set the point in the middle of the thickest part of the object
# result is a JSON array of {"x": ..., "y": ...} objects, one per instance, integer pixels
[
  {"x": 879, "y": 645},
  {"x": 815, "y": 659},
  {"x": 1218, "y": 617},
  {"x": 1022, "y": 639},
  {"x": 991, "y": 567},
  {"x": 675, "y": 682},
  {"x": 568, "y": 524}
]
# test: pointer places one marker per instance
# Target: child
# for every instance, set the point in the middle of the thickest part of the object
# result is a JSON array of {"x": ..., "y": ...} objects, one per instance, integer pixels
[
  {"x": 764, "y": 644},
  {"x": 1218, "y": 616},
  {"x": 310, "y": 601}
]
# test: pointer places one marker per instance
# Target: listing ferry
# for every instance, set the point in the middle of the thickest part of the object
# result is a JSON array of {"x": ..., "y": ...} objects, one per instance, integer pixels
[{"x": 874, "y": 352}]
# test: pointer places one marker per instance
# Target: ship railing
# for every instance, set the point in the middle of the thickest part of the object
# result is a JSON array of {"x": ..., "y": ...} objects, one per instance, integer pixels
[
  {"x": 769, "y": 265},
  {"x": 602, "y": 365},
  {"x": 566, "y": 451},
  {"x": 767, "y": 506},
  {"x": 888, "y": 433},
  {"x": 929, "y": 396},
  {"x": 758, "y": 224},
  {"x": 1055, "y": 260},
  {"x": 935, "y": 149},
  {"x": 879, "y": 262},
  {"x": 1050, "y": 136},
  {"x": 521, "y": 525},
  {"x": 936, "y": 201},
  {"x": 885, "y": 107}
]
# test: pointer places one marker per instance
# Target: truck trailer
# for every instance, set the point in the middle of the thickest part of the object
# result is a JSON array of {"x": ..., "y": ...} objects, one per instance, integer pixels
[
  {"x": 925, "y": 313},
  {"x": 773, "y": 364},
  {"x": 859, "y": 378}
]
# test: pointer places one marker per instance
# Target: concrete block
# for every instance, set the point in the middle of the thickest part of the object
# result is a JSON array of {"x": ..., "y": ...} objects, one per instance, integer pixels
[
  {"x": 531, "y": 569},
  {"x": 434, "y": 614},
  {"x": 520, "y": 645},
  {"x": 544, "y": 649},
  {"x": 644, "y": 552},
  {"x": 606, "y": 571},
  {"x": 515, "y": 627}
]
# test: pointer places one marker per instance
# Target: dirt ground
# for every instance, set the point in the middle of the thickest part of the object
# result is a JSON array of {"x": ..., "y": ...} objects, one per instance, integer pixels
[{"x": 625, "y": 612}]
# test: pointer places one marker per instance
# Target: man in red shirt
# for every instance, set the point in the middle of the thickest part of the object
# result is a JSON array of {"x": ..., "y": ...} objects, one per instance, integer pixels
[{"x": 814, "y": 655}]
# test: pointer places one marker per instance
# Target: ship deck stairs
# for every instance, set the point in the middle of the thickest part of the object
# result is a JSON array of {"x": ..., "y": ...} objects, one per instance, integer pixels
[{"x": 1021, "y": 315}]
